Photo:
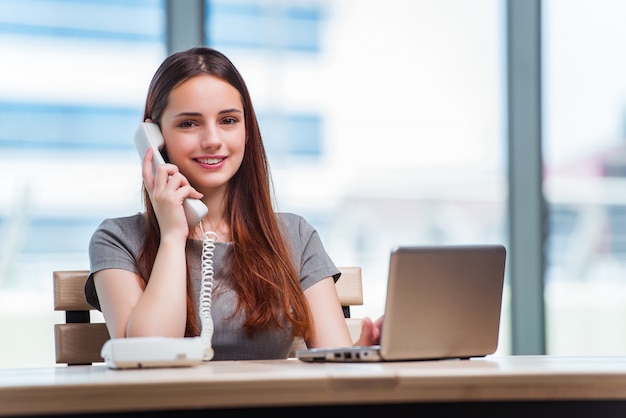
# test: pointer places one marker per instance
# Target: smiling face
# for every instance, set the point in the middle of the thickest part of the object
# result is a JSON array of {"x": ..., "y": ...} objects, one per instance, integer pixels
[{"x": 204, "y": 129}]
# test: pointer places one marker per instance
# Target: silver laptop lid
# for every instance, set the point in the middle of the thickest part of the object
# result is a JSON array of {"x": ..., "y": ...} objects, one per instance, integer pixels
[{"x": 443, "y": 302}]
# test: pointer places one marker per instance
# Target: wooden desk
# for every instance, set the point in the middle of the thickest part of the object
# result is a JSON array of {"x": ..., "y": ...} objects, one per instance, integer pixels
[{"x": 495, "y": 386}]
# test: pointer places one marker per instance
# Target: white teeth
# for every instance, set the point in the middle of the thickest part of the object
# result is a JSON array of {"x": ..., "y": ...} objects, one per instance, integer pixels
[{"x": 210, "y": 160}]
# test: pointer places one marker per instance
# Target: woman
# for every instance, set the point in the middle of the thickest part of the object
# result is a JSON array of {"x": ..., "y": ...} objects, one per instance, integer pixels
[{"x": 271, "y": 277}]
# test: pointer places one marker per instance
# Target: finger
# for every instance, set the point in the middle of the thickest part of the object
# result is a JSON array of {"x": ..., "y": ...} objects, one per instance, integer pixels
[
  {"x": 177, "y": 185},
  {"x": 156, "y": 173},
  {"x": 376, "y": 330},
  {"x": 146, "y": 169},
  {"x": 181, "y": 184},
  {"x": 185, "y": 192},
  {"x": 194, "y": 194},
  {"x": 366, "y": 332},
  {"x": 379, "y": 321}
]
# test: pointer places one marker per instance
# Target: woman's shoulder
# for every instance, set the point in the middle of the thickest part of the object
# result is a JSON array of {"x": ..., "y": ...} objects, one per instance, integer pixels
[
  {"x": 296, "y": 227},
  {"x": 113, "y": 234},
  {"x": 125, "y": 223},
  {"x": 124, "y": 231},
  {"x": 294, "y": 221}
]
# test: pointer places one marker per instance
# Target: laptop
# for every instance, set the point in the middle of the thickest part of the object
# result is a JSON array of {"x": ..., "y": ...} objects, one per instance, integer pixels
[{"x": 442, "y": 302}]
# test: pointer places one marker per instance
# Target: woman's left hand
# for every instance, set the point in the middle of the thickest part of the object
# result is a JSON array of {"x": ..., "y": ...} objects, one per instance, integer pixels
[{"x": 370, "y": 332}]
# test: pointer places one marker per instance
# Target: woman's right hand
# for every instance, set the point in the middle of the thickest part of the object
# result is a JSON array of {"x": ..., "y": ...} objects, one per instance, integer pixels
[{"x": 168, "y": 189}]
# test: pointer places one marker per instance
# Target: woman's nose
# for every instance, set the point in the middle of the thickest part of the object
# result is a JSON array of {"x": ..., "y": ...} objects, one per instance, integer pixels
[{"x": 210, "y": 137}]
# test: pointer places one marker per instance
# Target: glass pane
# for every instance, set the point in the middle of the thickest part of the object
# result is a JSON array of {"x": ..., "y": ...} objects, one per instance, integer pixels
[
  {"x": 74, "y": 77},
  {"x": 408, "y": 103},
  {"x": 585, "y": 159}
]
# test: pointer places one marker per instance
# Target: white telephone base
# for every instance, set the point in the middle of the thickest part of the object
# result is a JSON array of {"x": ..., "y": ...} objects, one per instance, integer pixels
[{"x": 147, "y": 352}]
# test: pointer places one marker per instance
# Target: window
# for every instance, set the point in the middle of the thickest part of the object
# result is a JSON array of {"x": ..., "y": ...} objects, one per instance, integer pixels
[
  {"x": 584, "y": 137},
  {"x": 390, "y": 131},
  {"x": 74, "y": 77}
]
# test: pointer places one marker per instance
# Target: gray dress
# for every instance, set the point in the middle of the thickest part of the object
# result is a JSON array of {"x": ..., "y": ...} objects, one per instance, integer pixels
[{"x": 116, "y": 244}]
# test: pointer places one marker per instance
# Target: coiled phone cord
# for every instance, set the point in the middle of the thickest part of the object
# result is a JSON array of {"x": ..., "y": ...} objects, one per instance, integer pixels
[{"x": 206, "y": 292}]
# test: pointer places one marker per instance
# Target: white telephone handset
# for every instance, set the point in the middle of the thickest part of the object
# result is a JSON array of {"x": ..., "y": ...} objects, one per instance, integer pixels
[{"x": 149, "y": 135}]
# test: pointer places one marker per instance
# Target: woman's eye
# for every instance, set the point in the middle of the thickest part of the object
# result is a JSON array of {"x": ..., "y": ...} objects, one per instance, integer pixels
[
  {"x": 229, "y": 121},
  {"x": 186, "y": 124}
]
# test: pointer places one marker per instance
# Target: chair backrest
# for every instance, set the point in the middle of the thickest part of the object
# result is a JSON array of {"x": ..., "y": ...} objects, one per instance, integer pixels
[{"x": 79, "y": 341}]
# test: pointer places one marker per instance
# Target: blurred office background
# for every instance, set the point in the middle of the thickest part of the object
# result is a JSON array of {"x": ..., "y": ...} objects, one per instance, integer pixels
[{"x": 415, "y": 122}]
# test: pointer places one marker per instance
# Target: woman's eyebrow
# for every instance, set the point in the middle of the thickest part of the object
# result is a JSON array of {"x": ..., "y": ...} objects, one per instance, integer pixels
[
  {"x": 232, "y": 110},
  {"x": 197, "y": 114},
  {"x": 188, "y": 114}
]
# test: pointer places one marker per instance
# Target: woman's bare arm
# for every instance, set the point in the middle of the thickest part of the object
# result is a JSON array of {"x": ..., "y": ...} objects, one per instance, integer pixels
[
  {"x": 330, "y": 328},
  {"x": 159, "y": 309}
]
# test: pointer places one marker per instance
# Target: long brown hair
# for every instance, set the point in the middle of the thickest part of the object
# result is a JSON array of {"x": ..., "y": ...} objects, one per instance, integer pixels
[{"x": 260, "y": 263}]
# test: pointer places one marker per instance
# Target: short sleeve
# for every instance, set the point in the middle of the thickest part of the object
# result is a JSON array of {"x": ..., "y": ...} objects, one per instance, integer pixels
[
  {"x": 114, "y": 244},
  {"x": 309, "y": 253}
]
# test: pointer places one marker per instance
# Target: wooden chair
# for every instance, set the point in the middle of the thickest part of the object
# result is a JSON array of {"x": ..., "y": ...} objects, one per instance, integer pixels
[{"x": 79, "y": 341}]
